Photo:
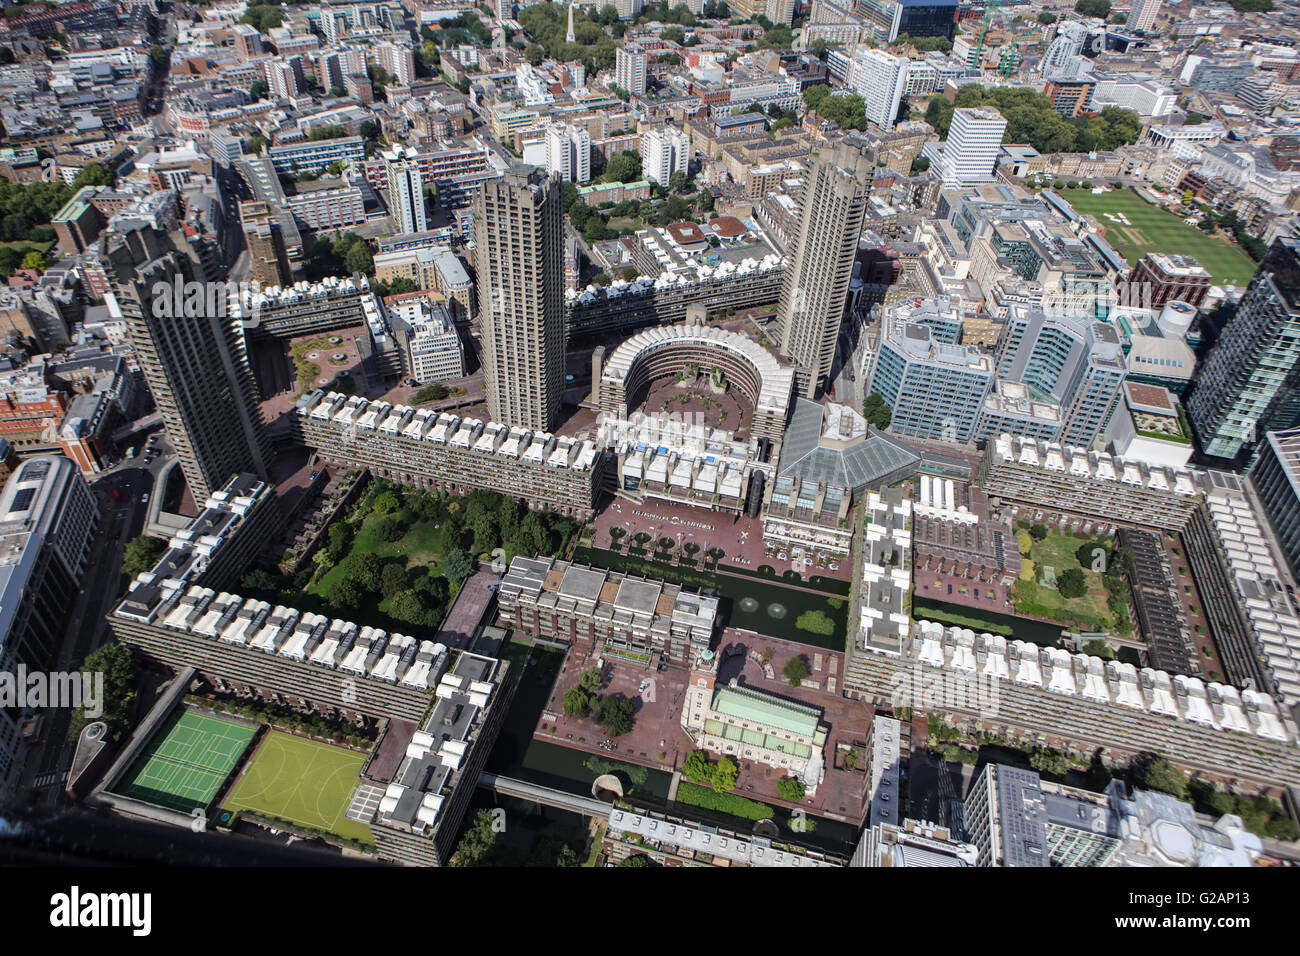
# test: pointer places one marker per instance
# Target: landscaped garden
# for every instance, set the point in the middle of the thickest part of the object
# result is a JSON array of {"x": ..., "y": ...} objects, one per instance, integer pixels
[
  {"x": 400, "y": 554},
  {"x": 1076, "y": 581}
]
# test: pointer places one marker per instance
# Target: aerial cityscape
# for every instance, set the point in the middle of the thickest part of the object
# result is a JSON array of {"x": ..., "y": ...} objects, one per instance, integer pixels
[{"x": 742, "y": 433}]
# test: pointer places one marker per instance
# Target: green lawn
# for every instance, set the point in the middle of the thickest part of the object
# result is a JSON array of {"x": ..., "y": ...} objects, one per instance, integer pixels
[
  {"x": 302, "y": 782},
  {"x": 1154, "y": 229},
  {"x": 1057, "y": 551}
]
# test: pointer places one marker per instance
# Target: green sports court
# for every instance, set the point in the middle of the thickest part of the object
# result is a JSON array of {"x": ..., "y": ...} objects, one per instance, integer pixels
[
  {"x": 302, "y": 782},
  {"x": 187, "y": 762}
]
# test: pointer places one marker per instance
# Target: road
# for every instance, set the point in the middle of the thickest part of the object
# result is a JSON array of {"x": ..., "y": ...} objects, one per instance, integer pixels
[{"x": 121, "y": 519}]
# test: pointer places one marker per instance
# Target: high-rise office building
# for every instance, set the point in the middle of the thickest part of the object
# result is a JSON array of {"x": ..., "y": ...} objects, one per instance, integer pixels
[
  {"x": 568, "y": 153},
  {"x": 1075, "y": 363},
  {"x": 879, "y": 78},
  {"x": 47, "y": 518},
  {"x": 193, "y": 356},
  {"x": 630, "y": 69},
  {"x": 1247, "y": 385},
  {"x": 664, "y": 150},
  {"x": 1143, "y": 14},
  {"x": 519, "y": 255},
  {"x": 405, "y": 192},
  {"x": 887, "y": 19},
  {"x": 816, "y": 286},
  {"x": 971, "y": 149}
]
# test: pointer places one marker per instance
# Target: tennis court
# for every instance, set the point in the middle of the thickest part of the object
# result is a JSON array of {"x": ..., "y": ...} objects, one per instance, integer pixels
[
  {"x": 304, "y": 782},
  {"x": 187, "y": 762}
]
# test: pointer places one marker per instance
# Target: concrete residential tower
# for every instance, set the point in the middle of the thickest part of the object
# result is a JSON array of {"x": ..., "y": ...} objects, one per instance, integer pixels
[
  {"x": 193, "y": 357},
  {"x": 817, "y": 285},
  {"x": 519, "y": 251}
]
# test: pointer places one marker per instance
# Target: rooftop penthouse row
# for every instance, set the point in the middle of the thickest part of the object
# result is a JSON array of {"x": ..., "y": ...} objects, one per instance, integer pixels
[
  {"x": 248, "y": 300},
  {"x": 1095, "y": 465},
  {"x": 1101, "y": 681},
  {"x": 302, "y": 636},
  {"x": 414, "y": 800},
  {"x": 489, "y": 438},
  {"x": 193, "y": 553}
]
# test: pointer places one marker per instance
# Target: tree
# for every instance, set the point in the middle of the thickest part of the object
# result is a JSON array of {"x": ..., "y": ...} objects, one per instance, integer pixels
[
  {"x": 534, "y": 54},
  {"x": 697, "y": 767},
  {"x": 93, "y": 174},
  {"x": 1152, "y": 772},
  {"x": 34, "y": 261},
  {"x": 1038, "y": 531},
  {"x": 577, "y": 702},
  {"x": 791, "y": 788},
  {"x": 1093, "y": 8},
  {"x": 141, "y": 554},
  {"x": 258, "y": 580},
  {"x": 1046, "y": 16},
  {"x": 795, "y": 671},
  {"x": 346, "y": 595},
  {"x": 1049, "y": 761},
  {"x": 386, "y": 503},
  {"x": 725, "y": 774},
  {"x": 1099, "y": 648},
  {"x": 622, "y": 167},
  {"x": 413, "y": 607},
  {"x": 393, "y": 579},
  {"x": 876, "y": 411},
  {"x": 458, "y": 565},
  {"x": 614, "y": 712},
  {"x": 1071, "y": 583},
  {"x": 114, "y": 662},
  {"x": 478, "y": 843},
  {"x": 590, "y": 680}
]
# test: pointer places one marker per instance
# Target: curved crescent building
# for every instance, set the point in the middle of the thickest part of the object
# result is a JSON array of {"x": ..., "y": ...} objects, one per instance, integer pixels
[{"x": 626, "y": 375}]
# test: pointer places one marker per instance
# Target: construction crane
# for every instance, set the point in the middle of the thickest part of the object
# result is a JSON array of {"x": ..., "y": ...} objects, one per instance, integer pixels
[{"x": 979, "y": 45}]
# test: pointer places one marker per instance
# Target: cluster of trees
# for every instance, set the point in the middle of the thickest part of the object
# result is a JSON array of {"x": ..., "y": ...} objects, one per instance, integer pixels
[
  {"x": 614, "y": 712},
  {"x": 1093, "y": 8},
  {"x": 399, "y": 285},
  {"x": 26, "y": 209},
  {"x": 547, "y": 24},
  {"x": 414, "y": 595},
  {"x": 623, "y": 167},
  {"x": 1251, "y": 6},
  {"x": 926, "y": 44},
  {"x": 1231, "y": 223},
  {"x": 332, "y": 131},
  {"x": 114, "y": 661},
  {"x": 141, "y": 554},
  {"x": 791, "y": 788},
  {"x": 776, "y": 38},
  {"x": 430, "y": 393},
  {"x": 721, "y": 776},
  {"x": 344, "y": 252},
  {"x": 465, "y": 28},
  {"x": 263, "y": 16},
  {"x": 845, "y": 111},
  {"x": 1031, "y": 119},
  {"x": 663, "y": 13},
  {"x": 877, "y": 411}
]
